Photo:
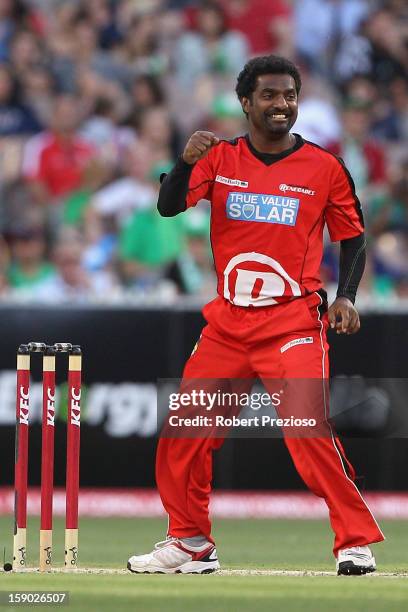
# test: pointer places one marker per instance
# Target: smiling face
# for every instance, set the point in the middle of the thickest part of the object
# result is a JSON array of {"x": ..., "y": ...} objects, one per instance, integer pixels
[{"x": 272, "y": 108}]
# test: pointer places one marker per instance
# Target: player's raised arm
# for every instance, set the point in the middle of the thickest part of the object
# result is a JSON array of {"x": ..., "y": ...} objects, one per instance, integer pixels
[{"x": 176, "y": 185}]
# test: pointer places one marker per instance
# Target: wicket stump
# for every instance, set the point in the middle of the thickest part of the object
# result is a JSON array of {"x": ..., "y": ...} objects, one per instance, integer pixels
[{"x": 47, "y": 453}]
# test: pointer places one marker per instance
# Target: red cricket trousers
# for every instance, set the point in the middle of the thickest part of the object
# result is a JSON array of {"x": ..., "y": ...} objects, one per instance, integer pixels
[{"x": 249, "y": 343}]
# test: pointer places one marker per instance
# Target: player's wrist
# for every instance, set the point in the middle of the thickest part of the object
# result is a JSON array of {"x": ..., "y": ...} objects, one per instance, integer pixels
[
  {"x": 188, "y": 159},
  {"x": 347, "y": 298}
]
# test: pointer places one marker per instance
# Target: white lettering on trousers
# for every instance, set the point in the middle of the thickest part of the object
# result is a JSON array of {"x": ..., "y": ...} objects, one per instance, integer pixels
[{"x": 289, "y": 345}]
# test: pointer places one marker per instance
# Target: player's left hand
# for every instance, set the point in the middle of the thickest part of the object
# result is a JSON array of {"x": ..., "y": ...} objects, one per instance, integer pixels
[{"x": 343, "y": 316}]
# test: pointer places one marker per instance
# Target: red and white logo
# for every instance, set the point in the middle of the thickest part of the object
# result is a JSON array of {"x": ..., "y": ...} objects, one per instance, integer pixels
[
  {"x": 50, "y": 407},
  {"x": 297, "y": 188},
  {"x": 244, "y": 287},
  {"x": 75, "y": 414},
  {"x": 24, "y": 406}
]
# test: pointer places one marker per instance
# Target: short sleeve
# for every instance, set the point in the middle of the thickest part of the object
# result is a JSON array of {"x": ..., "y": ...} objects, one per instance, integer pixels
[
  {"x": 343, "y": 213},
  {"x": 201, "y": 181}
]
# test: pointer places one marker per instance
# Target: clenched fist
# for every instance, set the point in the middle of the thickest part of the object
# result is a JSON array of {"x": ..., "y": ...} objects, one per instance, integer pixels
[
  {"x": 343, "y": 316},
  {"x": 198, "y": 146}
]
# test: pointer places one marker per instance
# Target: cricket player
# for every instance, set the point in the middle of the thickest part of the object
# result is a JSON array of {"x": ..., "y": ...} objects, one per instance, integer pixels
[{"x": 271, "y": 194}]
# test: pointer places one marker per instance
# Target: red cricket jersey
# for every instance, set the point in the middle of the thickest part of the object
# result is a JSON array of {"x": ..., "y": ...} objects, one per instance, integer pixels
[
  {"x": 57, "y": 164},
  {"x": 256, "y": 20},
  {"x": 267, "y": 220}
]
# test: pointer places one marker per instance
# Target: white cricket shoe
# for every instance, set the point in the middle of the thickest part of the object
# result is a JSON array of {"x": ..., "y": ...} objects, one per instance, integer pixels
[
  {"x": 355, "y": 561},
  {"x": 174, "y": 557}
]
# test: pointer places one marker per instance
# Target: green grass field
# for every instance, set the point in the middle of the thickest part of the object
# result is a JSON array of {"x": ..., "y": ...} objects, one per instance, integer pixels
[{"x": 242, "y": 545}]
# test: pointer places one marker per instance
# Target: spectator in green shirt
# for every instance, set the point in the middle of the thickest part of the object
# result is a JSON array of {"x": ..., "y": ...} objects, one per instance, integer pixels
[
  {"x": 147, "y": 245},
  {"x": 28, "y": 268}
]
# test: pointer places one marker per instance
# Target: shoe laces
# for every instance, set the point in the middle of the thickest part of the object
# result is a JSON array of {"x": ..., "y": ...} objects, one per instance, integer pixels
[
  {"x": 165, "y": 542},
  {"x": 360, "y": 551}
]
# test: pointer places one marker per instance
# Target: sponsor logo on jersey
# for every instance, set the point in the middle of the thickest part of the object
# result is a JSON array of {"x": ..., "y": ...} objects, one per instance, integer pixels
[
  {"x": 229, "y": 181},
  {"x": 240, "y": 282},
  {"x": 297, "y": 188},
  {"x": 262, "y": 207},
  {"x": 289, "y": 345}
]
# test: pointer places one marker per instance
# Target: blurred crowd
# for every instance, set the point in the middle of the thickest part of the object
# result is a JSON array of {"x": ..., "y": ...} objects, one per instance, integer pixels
[{"x": 97, "y": 98}]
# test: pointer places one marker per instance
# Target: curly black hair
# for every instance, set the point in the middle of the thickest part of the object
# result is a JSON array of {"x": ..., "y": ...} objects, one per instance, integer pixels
[{"x": 267, "y": 64}]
